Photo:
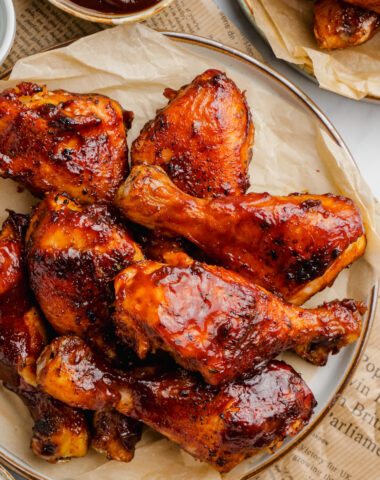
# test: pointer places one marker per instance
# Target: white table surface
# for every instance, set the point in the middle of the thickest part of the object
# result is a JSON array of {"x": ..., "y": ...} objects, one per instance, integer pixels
[{"x": 357, "y": 122}]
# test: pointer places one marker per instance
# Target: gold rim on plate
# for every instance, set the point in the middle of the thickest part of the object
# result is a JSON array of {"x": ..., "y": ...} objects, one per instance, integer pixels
[
  {"x": 4, "y": 475},
  {"x": 185, "y": 38},
  {"x": 304, "y": 69}
]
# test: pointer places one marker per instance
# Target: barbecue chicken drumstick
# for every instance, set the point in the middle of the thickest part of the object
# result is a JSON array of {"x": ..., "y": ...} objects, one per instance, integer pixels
[
  {"x": 216, "y": 322},
  {"x": 338, "y": 24},
  {"x": 293, "y": 246},
  {"x": 221, "y": 426},
  {"x": 74, "y": 253},
  {"x": 202, "y": 138},
  {"x": 62, "y": 141},
  {"x": 60, "y": 432}
]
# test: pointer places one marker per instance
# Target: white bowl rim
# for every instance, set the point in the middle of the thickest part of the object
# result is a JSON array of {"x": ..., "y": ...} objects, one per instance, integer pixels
[
  {"x": 69, "y": 6},
  {"x": 10, "y": 28}
]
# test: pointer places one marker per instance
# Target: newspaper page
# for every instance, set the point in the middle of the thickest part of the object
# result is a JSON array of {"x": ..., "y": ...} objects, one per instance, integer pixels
[
  {"x": 40, "y": 25},
  {"x": 346, "y": 444}
]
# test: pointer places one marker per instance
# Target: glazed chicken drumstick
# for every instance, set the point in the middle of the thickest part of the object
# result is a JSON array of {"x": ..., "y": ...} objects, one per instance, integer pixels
[
  {"x": 73, "y": 254},
  {"x": 216, "y": 322},
  {"x": 60, "y": 432},
  {"x": 60, "y": 141},
  {"x": 221, "y": 426},
  {"x": 338, "y": 24},
  {"x": 202, "y": 138},
  {"x": 293, "y": 246}
]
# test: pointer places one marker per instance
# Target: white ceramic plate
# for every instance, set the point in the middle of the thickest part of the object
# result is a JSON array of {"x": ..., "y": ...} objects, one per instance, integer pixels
[
  {"x": 327, "y": 383},
  {"x": 7, "y": 28}
]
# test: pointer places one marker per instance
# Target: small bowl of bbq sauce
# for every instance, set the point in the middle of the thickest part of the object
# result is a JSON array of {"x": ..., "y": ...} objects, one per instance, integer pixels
[{"x": 112, "y": 11}]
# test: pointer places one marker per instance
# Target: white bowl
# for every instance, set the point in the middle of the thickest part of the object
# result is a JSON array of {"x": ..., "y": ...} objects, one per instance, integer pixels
[
  {"x": 115, "y": 19},
  {"x": 7, "y": 28}
]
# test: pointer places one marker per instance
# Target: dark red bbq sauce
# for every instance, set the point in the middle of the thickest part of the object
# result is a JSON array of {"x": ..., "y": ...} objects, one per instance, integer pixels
[{"x": 116, "y": 6}]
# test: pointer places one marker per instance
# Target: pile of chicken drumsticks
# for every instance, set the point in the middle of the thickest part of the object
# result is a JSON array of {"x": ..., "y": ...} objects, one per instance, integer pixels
[
  {"x": 345, "y": 23},
  {"x": 161, "y": 295}
]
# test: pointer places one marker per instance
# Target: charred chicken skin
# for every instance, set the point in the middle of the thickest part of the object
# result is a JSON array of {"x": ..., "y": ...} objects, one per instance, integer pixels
[
  {"x": 216, "y": 322},
  {"x": 293, "y": 246},
  {"x": 61, "y": 141},
  {"x": 221, "y": 426},
  {"x": 74, "y": 253},
  {"x": 202, "y": 138},
  {"x": 59, "y": 432},
  {"x": 115, "y": 434},
  {"x": 338, "y": 24}
]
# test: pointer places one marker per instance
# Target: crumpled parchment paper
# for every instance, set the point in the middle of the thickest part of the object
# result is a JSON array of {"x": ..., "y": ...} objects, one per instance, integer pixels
[{"x": 288, "y": 27}]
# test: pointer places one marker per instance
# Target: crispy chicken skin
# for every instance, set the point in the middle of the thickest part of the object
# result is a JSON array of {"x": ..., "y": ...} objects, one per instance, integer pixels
[
  {"x": 216, "y": 322},
  {"x": 74, "y": 253},
  {"x": 293, "y": 246},
  {"x": 202, "y": 138},
  {"x": 367, "y": 4},
  {"x": 62, "y": 141},
  {"x": 115, "y": 434},
  {"x": 338, "y": 24},
  {"x": 221, "y": 426},
  {"x": 59, "y": 432}
]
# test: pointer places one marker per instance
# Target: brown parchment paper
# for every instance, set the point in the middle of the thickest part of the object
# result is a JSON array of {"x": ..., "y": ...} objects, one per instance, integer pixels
[
  {"x": 291, "y": 153},
  {"x": 40, "y": 25},
  {"x": 288, "y": 26}
]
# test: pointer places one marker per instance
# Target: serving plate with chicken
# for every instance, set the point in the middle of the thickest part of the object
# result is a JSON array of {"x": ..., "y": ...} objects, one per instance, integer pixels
[{"x": 160, "y": 293}]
